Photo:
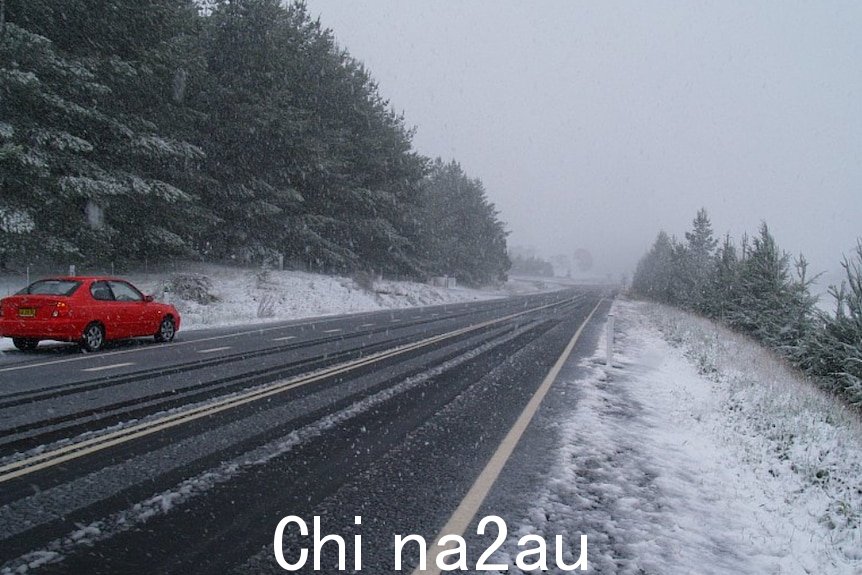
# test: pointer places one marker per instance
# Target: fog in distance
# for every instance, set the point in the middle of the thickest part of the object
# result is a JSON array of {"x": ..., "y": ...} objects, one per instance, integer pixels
[{"x": 595, "y": 124}]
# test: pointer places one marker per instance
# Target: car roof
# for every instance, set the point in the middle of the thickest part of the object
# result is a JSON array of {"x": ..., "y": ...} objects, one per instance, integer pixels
[{"x": 83, "y": 278}]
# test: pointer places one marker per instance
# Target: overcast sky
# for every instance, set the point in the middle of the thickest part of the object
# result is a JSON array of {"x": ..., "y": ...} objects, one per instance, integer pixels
[{"x": 595, "y": 124}]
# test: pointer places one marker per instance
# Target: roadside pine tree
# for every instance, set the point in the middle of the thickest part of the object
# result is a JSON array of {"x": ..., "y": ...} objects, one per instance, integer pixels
[
  {"x": 461, "y": 234},
  {"x": 105, "y": 78},
  {"x": 723, "y": 284},
  {"x": 774, "y": 306},
  {"x": 655, "y": 273},
  {"x": 49, "y": 172},
  {"x": 700, "y": 248},
  {"x": 835, "y": 350}
]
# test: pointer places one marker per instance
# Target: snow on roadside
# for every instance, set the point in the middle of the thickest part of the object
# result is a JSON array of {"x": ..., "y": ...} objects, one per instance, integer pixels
[
  {"x": 249, "y": 296},
  {"x": 804, "y": 445},
  {"x": 699, "y": 452}
]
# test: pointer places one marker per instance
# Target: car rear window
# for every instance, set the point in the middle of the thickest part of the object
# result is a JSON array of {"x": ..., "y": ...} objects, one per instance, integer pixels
[{"x": 51, "y": 287}]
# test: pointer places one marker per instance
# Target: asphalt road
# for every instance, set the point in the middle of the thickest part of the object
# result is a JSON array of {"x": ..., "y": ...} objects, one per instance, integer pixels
[{"x": 183, "y": 457}]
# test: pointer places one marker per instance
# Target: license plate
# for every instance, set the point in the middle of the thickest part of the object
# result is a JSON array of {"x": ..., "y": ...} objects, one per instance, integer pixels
[{"x": 27, "y": 312}]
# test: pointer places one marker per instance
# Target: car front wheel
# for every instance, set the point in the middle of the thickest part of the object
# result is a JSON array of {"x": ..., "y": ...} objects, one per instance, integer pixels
[
  {"x": 25, "y": 343},
  {"x": 167, "y": 330},
  {"x": 93, "y": 338}
]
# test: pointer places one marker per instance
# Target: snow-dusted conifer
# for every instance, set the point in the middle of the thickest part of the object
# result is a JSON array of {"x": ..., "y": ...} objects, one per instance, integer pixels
[
  {"x": 44, "y": 137},
  {"x": 655, "y": 274},
  {"x": 461, "y": 233},
  {"x": 699, "y": 250},
  {"x": 723, "y": 289},
  {"x": 835, "y": 350}
]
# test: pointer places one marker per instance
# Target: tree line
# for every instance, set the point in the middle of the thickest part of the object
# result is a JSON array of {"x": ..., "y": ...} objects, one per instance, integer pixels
[
  {"x": 135, "y": 130},
  {"x": 530, "y": 265},
  {"x": 758, "y": 289}
]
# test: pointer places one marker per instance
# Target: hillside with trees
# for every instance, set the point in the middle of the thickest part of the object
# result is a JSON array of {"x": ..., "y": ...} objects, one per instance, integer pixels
[
  {"x": 135, "y": 130},
  {"x": 758, "y": 289},
  {"x": 530, "y": 265}
]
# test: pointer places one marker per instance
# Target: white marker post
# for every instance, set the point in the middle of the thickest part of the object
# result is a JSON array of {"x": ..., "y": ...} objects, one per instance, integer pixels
[{"x": 610, "y": 341}]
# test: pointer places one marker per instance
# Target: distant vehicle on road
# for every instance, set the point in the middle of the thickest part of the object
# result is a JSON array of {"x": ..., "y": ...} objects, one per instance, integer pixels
[{"x": 87, "y": 310}]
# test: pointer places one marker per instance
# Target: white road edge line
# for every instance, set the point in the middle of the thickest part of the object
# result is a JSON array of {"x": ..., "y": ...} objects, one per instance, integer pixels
[
  {"x": 469, "y": 506},
  {"x": 113, "y": 366},
  {"x": 214, "y": 349}
]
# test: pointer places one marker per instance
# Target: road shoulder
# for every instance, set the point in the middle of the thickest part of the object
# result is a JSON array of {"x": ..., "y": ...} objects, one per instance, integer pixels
[{"x": 696, "y": 452}]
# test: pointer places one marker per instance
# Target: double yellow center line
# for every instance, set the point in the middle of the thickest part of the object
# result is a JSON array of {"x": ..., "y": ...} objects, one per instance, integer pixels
[{"x": 86, "y": 447}]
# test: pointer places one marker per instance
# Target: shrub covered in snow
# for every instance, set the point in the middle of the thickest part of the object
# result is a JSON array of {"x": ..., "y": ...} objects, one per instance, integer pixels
[
  {"x": 364, "y": 280},
  {"x": 193, "y": 287}
]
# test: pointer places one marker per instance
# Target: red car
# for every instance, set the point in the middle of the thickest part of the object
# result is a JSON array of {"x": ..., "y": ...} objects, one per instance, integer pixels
[{"x": 87, "y": 310}]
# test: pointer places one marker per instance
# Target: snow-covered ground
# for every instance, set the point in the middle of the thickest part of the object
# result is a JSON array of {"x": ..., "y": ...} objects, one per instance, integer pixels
[
  {"x": 248, "y": 296},
  {"x": 245, "y": 296},
  {"x": 699, "y": 452}
]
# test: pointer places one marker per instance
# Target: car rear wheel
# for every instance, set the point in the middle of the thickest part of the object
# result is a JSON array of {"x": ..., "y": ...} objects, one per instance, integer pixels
[
  {"x": 93, "y": 338},
  {"x": 25, "y": 343},
  {"x": 167, "y": 330}
]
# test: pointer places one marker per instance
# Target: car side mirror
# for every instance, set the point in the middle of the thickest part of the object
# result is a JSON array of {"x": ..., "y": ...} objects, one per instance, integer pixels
[{"x": 149, "y": 298}]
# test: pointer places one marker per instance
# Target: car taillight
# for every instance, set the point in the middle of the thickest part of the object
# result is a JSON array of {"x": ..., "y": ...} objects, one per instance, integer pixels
[{"x": 60, "y": 309}]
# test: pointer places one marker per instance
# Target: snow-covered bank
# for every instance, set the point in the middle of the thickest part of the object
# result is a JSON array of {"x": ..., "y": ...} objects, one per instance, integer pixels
[
  {"x": 248, "y": 296},
  {"x": 699, "y": 452}
]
